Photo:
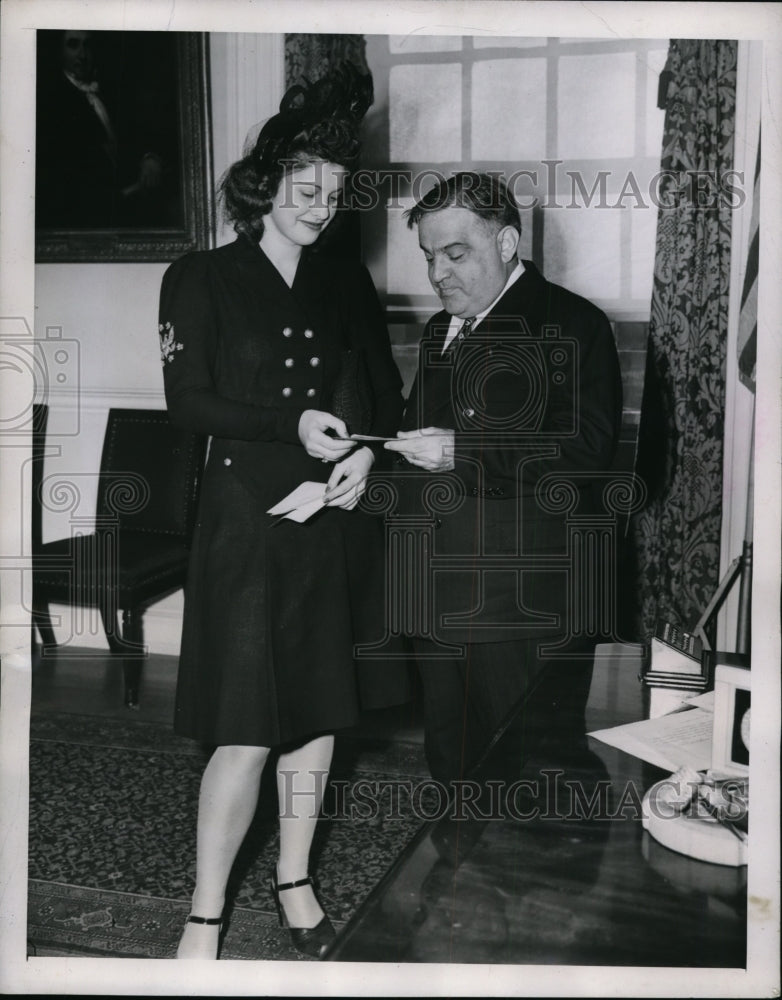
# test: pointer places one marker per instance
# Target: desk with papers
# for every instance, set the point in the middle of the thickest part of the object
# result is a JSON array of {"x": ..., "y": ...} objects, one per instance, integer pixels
[{"x": 564, "y": 873}]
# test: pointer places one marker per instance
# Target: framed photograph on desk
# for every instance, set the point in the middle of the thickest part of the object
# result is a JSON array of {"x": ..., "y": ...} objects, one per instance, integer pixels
[{"x": 730, "y": 746}]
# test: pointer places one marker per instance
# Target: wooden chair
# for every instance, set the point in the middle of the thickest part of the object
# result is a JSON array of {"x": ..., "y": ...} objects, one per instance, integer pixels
[{"x": 138, "y": 551}]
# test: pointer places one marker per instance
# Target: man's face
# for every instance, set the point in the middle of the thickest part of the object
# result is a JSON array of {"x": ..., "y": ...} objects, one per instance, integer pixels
[
  {"x": 77, "y": 55},
  {"x": 467, "y": 259}
]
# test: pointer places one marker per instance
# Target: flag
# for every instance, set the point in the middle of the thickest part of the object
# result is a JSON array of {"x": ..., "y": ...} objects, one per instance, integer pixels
[{"x": 748, "y": 312}]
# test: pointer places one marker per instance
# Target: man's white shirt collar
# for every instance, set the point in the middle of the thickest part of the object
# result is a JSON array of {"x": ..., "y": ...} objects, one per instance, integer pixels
[{"x": 456, "y": 321}]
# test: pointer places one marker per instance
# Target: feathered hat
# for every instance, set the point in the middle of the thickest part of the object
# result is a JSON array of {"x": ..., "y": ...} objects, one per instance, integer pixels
[{"x": 344, "y": 94}]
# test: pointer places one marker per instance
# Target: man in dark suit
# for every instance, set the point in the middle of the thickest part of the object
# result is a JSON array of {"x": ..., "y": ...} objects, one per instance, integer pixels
[{"x": 514, "y": 410}]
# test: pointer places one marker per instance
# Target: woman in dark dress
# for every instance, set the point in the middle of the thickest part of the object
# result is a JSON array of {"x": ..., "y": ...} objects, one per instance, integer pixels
[{"x": 254, "y": 339}]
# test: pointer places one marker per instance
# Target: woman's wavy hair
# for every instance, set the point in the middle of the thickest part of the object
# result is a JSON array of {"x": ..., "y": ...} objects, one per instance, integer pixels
[{"x": 316, "y": 122}]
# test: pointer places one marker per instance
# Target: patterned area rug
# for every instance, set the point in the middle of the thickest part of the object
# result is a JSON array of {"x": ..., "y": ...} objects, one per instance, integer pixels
[{"x": 112, "y": 838}]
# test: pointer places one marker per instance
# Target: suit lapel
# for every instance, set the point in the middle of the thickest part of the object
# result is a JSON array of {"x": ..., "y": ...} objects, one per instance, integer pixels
[
  {"x": 430, "y": 391},
  {"x": 302, "y": 302},
  {"x": 521, "y": 309}
]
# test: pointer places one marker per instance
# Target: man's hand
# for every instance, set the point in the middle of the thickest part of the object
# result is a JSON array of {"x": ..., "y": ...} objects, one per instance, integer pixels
[
  {"x": 430, "y": 448},
  {"x": 313, "y": 425},
  {"x": 349, "y": 479}
]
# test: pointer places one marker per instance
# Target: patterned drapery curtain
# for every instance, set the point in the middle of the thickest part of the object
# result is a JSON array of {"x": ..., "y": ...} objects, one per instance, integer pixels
[
  {"x": 311, "y": 56},
  {"x": 675, "y": 539}
]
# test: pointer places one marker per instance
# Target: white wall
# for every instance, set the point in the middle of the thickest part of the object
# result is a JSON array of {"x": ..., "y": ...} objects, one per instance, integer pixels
[{"x": 105, "y": 317}]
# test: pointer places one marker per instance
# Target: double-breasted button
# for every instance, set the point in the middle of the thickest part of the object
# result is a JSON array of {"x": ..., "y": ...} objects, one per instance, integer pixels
[
  {"x": 309, "y": 334},
  {"x": 310, "y": 393},
  {"x": 468, "y": 411},
  {"x": 289, "y": 362},
  {"x": 226, "y": 461},
  {"x": 314, "y": 362},
  {"x": 287, "y": 332},
  {"x": 287, "y": 391}
]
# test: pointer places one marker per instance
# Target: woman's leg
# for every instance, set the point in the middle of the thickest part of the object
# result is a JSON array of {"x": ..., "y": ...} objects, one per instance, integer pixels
[
  {"x": 226, "y": 806},
  {"x": 301, "y": 779}
]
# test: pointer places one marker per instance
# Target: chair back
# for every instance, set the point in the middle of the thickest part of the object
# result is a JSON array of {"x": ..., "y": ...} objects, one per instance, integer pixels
[{"x": 150, "y": 473}]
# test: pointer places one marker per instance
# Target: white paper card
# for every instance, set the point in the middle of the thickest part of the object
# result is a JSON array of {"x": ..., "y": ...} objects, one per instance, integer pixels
[
  {"x": 304, "y": 495},
  {"x": 300, "y": 514}
]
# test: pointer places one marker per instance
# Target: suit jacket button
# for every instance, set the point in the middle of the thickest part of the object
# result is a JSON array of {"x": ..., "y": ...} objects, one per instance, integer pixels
[
  {"x": 309, "y": 334},
  {"x": 289, "y": 362},
  {"x": 287, "y": 391},
  {"x": 314, "y": 362},
  {"x": 287, "y": 332},
  {"x": 226, "y": 461},
  {"x": 310, "y": 393}
]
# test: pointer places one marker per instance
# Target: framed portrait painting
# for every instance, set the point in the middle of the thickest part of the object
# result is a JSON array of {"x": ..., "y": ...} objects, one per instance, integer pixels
[{"x": 123, "y": 151}]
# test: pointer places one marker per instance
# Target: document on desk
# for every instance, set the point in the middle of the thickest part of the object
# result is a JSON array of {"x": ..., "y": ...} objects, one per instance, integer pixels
[{"x": 668, "y": 741}]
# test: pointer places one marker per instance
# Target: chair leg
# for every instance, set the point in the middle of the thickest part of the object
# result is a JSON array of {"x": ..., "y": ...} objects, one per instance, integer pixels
[
  {"x": 132, "y": 653},
  {"x": 43, "y": 622},
  {"x": 108, "y": 617}
]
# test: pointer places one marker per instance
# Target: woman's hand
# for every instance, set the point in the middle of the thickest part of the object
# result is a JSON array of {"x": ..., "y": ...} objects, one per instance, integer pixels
[
  {"x": 349, "y": 479},
  {"x": 313, "y": 425}
]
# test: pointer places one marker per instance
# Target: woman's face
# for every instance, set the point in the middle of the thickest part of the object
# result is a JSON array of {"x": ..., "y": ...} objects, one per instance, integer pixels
[{"x": 306, "y": 202}]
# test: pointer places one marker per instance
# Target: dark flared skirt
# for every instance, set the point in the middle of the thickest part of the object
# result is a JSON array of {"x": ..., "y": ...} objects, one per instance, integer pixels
[{"x": 272, "y": 615}]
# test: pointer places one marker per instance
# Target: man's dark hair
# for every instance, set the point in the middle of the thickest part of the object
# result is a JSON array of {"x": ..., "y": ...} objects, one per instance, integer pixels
[{"x": 485, "y": 195}]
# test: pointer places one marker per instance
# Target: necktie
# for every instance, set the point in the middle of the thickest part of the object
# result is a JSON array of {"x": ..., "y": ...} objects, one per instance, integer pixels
[
  {"x": 465, "y": 329},
  {"x": 463, "y": 333}
]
